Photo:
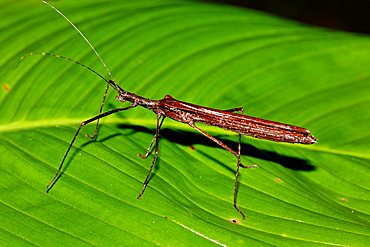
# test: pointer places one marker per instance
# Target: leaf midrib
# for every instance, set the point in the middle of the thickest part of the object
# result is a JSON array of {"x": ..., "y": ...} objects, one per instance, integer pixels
[{"x": 46, "y": 123}]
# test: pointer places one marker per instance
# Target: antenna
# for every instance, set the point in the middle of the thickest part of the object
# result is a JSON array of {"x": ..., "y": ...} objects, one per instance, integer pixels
[
  {"x": 110, "y": 82},
  {"x": 61, "y": 57},
  {"x": 84, "y": 37}
]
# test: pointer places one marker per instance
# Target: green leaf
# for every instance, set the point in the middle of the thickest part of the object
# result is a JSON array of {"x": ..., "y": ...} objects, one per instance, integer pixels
[{"x": 208, "y": 54}]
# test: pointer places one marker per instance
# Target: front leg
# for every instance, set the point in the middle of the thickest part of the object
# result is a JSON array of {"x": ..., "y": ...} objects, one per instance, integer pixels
[{"x": 101, "y": 115}]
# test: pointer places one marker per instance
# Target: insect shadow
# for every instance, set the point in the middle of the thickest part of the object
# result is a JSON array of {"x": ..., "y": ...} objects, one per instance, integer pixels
[{"x": 189, "y": 138}]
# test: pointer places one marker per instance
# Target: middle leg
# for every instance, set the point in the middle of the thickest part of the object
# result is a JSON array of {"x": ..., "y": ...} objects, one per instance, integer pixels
[{"x": 156, "y": 140}]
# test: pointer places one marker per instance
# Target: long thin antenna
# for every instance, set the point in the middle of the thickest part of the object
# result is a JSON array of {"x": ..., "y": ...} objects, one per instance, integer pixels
[
  {"x": 109, "y": 83},
  {"x": 61, "y": 57},
  {"x": 83, "y": 36}
]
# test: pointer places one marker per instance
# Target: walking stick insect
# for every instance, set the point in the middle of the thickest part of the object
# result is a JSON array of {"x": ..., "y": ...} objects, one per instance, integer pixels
[{"x": 189, "y": 114}]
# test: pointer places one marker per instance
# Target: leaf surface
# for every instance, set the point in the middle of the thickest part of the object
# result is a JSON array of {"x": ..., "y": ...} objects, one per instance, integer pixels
[{"x": 208, "y": 54}]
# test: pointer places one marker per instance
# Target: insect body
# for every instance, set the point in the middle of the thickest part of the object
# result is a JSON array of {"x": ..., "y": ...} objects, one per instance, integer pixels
[{"x": 192, "y": 114}]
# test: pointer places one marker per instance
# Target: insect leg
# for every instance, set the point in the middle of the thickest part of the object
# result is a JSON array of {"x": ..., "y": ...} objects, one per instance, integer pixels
[
  {"x": 156, "y": 139},
  {"x": 236, "y": 185},
  {"x": 236, "y": 154},
  {"x": 95, "y": 134},
  {"x": 152, "y": 142},
  {"x": 54, "y": 179},
  {"x": 240, "y": 109},
  {"x": 223, "y": 145}
]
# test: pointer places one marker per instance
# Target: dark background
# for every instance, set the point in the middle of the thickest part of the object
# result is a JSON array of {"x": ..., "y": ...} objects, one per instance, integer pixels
[{"x": 348, "y": 15}]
